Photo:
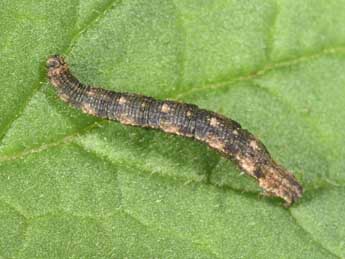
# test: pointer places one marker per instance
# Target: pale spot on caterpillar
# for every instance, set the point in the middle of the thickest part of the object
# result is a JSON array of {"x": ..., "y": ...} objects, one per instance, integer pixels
[
  {"x": 165, "y": 108},
  {"x": 127, "y": 121},
  {"x": 253, "y": 144},
  {"x": 216, "y": 143},
  {"x": 64, "y": 97},
  {"x": 189, "y": 114},
  {"x": 170, "y": 128},
  {"x": 88, "y": 109},
  {"x": 92, "y": 92},
  {"x": 246, "y": 163},
  {"x": 214, "y": 122},
  {"x": 122, "y": 100}
]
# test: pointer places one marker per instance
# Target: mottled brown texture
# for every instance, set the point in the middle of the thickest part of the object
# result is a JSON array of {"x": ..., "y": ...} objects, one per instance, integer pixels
[{"x": 218, "y": 132}]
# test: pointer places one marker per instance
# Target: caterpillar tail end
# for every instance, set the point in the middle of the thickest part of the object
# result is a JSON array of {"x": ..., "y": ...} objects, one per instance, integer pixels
[{"x": 278, "y": 182}]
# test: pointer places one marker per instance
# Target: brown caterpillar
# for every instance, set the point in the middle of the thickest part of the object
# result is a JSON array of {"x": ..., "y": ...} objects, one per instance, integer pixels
[{"x": 218, "y": 132}]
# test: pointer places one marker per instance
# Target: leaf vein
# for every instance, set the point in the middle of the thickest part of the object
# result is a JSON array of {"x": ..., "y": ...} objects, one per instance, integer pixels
[
  {"x": 264, "y": 70},
  {"x": 312, "y": 237}
]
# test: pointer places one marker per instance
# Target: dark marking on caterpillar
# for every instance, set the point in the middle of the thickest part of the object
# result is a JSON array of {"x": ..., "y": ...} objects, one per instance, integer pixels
[{"x": 218, "y": 132}]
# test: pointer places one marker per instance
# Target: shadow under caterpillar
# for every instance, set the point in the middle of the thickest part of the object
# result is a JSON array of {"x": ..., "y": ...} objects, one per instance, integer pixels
[{"x": 218, "y": 132}]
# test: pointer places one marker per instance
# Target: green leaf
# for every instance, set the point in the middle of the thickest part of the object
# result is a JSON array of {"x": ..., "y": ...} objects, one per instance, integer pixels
[{"x": 73, "y": 186}]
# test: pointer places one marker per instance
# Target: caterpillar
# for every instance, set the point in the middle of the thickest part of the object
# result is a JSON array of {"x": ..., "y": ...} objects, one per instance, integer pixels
[{"x": 215, "y": 130}]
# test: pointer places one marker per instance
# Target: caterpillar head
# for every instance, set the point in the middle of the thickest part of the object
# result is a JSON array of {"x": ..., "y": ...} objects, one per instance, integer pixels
[
  {"x": 57, "y": 69},
  {"x": 56, "y": 62}
]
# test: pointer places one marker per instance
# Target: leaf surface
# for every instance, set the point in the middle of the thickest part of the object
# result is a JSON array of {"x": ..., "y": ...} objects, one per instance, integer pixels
[{"x": 73, "y": 186}]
